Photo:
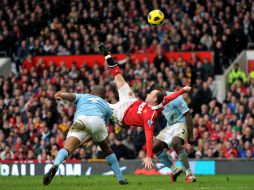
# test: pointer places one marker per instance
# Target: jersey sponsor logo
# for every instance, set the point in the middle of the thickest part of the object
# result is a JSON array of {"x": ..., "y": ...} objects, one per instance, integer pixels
[
  {"x": 150, "y": 122},
  {"x": 140, "y": 108},
  {"x": 145, "y": 110}
]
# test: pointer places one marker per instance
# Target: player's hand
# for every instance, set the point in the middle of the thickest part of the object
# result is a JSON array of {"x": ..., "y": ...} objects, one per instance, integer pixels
[
  {"x": 187, "y": 88},
  {"x": 188, "y": 147},
  {"x": 58, "y": 95},
  {"x": 148, "y": 162}
]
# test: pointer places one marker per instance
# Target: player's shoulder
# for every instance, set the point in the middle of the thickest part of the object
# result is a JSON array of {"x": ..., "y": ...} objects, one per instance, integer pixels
[
  {"x": 179, "y": 98},
  {"x": 90, "y": 97},
  {"x": 83, "y": 95}
]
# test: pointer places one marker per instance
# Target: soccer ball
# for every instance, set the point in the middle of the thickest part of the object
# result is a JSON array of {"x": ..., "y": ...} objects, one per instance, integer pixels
[{"x": 155, "y": 18}]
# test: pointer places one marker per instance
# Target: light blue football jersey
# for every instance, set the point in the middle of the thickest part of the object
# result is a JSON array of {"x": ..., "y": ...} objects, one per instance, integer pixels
[
  {"x": 174, "y": 111},
  {"x": 90, "y": 105}
]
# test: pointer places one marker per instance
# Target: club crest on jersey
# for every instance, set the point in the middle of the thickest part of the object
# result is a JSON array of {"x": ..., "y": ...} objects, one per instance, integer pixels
[
  {"x": 150, "y": 122},
  {"x": 182, "y": 106}
]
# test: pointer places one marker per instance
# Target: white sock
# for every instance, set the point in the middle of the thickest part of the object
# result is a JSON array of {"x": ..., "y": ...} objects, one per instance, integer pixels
[
  {"x": 188, "y": 171},
  {"x": 107, "y": 56},
  {"x": 173, "y": 168}
]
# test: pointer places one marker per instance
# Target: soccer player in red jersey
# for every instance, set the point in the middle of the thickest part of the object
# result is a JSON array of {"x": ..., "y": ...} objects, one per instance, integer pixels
[{"x": 131, "y": 111}]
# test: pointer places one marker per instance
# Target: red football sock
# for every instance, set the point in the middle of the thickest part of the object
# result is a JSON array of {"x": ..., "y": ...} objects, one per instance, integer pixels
[{"x": 115, "y": 71}]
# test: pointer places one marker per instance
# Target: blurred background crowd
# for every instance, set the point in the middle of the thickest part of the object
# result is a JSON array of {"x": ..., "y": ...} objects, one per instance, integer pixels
[
  {"x": 33, "y": 125},
  {"x": 54, "y": 27}
]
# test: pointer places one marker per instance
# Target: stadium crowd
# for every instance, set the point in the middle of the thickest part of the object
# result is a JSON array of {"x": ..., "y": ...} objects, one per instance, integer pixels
[
  {"x": 54, "y": 27},
  {"x": 33, "y": 125}
]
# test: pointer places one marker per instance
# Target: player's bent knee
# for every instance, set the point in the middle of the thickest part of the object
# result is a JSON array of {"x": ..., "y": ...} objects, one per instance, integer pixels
[
  {"x": 71, "y": 144},
  {"x": 177, "y": 144},
  {"x": 107, "y": 151},
  {"x": 105, "y": 147},
  {"x": 158, "y": 146}
]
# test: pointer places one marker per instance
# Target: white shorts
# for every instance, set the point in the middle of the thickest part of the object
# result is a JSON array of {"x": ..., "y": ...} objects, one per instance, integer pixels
[
  {"x": 88, "y": 125},
  {"x": 126, "y": 99},
  {"x": 177, "y": 130}
]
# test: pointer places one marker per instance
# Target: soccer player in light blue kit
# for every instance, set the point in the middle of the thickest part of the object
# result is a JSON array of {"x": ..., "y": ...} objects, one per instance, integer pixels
[
  {"x": 178, "y": 131},
  {"x": 92, "y": 115}
]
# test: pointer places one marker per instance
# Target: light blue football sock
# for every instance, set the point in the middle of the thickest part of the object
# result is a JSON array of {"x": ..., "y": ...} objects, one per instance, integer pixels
[
  {"x": 183, "y": 157},
  {"x": 113, "y": 163},
  {"x": 163, "y": 158},
  {"x": 61, "y": 156}
]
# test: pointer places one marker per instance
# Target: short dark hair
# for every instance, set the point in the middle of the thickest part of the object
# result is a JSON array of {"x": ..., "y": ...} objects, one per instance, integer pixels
[
  {"x": 160, "y": 96},
  {"x": 158, "y": 87},
  {"x": 99, "y": 91}
]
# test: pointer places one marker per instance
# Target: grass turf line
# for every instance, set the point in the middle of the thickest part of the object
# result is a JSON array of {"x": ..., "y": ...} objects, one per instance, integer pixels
[{"x": 140, "y": 182}]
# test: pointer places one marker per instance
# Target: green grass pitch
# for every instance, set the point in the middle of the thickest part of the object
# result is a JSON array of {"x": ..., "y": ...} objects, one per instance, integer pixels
[{"x": 140, "y": 182}]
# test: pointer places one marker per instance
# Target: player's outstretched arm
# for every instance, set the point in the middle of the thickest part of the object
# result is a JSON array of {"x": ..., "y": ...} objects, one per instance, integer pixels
[
  {"x": 65, "y": 96},
  {"x": 149, "y": 133},
  {"x": 113, "y": 67},
  {"x": 174, "y": 95}
]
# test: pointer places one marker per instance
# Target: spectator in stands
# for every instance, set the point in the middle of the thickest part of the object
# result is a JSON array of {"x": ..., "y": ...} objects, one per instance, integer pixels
[
  {"x": 205, "y": 94},
  {"x": 236, "y": 74},
  {"x": 122, "y": 152},
  {"x": 251, "y": 74},
  {"x": 247, "y": 134},
  {"x": 22, "y": 53},
  {"x": 6, "y": 154},
  {"x": 129, "y": 144},
  {"x": 249, "y": 154},
  {"x": 160, "y": 58},
  {"x": 206, "y": 40},
  {"x": 218, "y": 58},
  {"x": 208, "y": 69},
  {"x": 3, "y": 44},
  {"x": 229, "y": 151},
  {"x": 246, "y": 148}
]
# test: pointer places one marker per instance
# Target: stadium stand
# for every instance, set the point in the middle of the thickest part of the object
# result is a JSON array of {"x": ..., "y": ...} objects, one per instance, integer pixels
[{"x": 32, "y": 126}]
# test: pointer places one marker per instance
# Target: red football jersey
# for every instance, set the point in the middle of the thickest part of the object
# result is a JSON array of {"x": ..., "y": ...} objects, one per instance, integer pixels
[{"x": 140, "y": 114}]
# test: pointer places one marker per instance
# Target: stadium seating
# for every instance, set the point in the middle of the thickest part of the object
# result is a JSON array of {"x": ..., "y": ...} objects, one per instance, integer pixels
[{"x": 32, "y": 126}]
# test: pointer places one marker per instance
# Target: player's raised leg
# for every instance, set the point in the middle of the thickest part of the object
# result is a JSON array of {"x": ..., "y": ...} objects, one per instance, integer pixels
[
  {"x": 113, "y": 66},
  {"x": 163, "y": 157},
  {"x": 112, "y": 161}
]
